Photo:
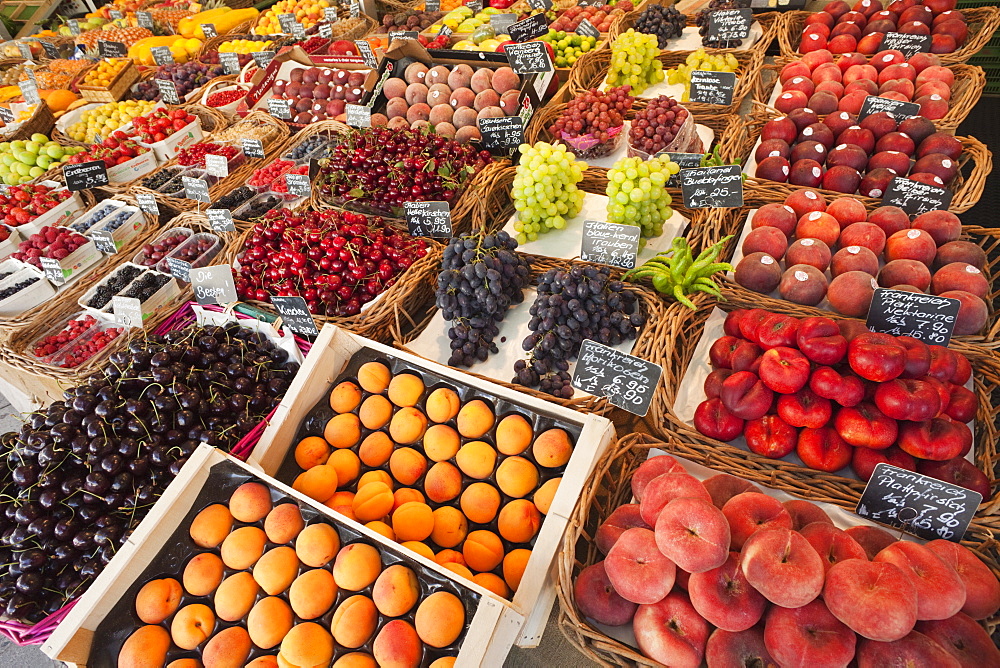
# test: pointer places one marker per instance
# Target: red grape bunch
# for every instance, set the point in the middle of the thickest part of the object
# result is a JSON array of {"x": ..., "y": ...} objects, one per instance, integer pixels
[{"x": 594, "y": 113}]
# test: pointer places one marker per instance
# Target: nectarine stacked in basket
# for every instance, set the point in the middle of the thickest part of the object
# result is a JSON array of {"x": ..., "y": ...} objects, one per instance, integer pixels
[{"x": 718, "y": 572}]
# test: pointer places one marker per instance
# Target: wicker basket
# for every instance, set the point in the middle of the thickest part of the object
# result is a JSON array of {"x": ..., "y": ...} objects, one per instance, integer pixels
[
  {"x": 212, "y": 120},
  {"x": 609, "y": 488},
  {"x": 975, "y": 164},
  {"x": 123, "y": 81},
  {"x": 591, "y": 70},
  {"x": 965, "y": 92},
  {"x": 42, "y": 121},
  {"x": 358, "y": 28},
  {"x": 769, "y": 21},
  {"x": 983, "y": 22}
]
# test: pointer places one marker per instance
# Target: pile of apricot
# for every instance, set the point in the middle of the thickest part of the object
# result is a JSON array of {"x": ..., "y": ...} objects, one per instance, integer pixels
[
  {"x": 445, "y": 479},
  {"x": 260, "y": 590}
]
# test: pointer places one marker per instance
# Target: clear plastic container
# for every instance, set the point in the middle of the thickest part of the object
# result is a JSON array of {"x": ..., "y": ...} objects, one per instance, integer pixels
[
  {"x": 68, "y": 357},
  {"x": 264, "y": 187},
  {"x": 56, "y": 330},
  {"x": 254, "y": 208},
  {"x": 142, "y": 258},
  {"x": 175, "y": 186},
  {"x": 209, "y": 246},
  {"x": 587, "y": 147}
]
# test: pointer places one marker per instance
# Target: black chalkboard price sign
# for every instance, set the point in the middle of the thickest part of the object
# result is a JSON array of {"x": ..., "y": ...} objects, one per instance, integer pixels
[
  {"x": 502, "y": 135},
  {"x": 162, "y": 55},
  {"x": 252, "y": 148},
  {"x": 74, "y": 26},
  {"x": 432, "y": 6},
  {"x": 502, "y": 22},
  {"x": 712, "y": 187},
  {"x": 713, "y": 87},
  {"x": 286, "y": 21},
  {"x": 428, "y": 219},
  {"x": 230, "y": 61},
  {"x": 729, "y": 24},
  {"x": 627, "y": 381},
  {"x": 298, "y": 184},
  {"x": 196, "y": 189},
  {"x": 528, "y": 58},
  {"x": 25, "y": 51},
  {"x": 29, "y": 89},
  {"x": 51, "y": 50},
  {"x": 544, "y": 5},
  {"x": 144, "y": 19},
  {"x": 908, "y": 44},
  {"x": 529, "y": 28},
  {"x": 221, "y": 220},
  {"x": 610, "y": 243},
  {"x": 403, "y": 34},
  {"x": 147, "y": 203},
  {"x": 209, "y": 30},
  {"x": 86, "y": 175},
  {"x": 6, "y": 115},
  {"x": 915, "y": 197},
  {"x": 475, "y": 6},
  {"x": 684, "y": 161},
  {"x": 168, "y": 91},
  {"x": 588, "y": 29},
  {"x": 918, "y": 504},
  {"x": 365, "y": 49},
  {"x": 262, "y": 58},
  {"x": 898, "y": 109},
  {"x": 179, "y": 269},
  {"x": 104, "y": 241},
  {"x": 330, "y": 14},
  {"x": 926, "y": 317},
  {"x": 127, "y": 310},
  {"x": 296, "y": 316},
  {"x": 53, "y": 270},
  {"x": 325, "y": 30},
  {"x": 115, "y": 15}
]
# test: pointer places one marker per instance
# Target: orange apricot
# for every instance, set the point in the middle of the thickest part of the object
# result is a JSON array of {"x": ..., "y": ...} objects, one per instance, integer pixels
[
  {"x": 493, "y": 583},
  {"x": 342, "y": 503},
  {"x": 413, "y": 521},
  {"x": 203, "y": 574},
  {"x": 514, "y": 435},
  {"x": 243, "y": 547},
  {"x": 475, "y": 419},
  {"x": 442, "y": 404},
  {"x": 382, "y": 528},
  {"x": 311, "y": 451},
  {"x": 513, "y": 567},
  {"x": 251, "y": 502},
  {"x": 192, "y": 625},
  {"x": 440, "y": 619},
  {"x": 519, "y": 521},
  {"x": 552, "y": 448},
  {"x": 405, "y": 495},
  {"x": 148, "y": 646},
  {"x": 397, "y": 646},
  {"x": 345, "y": 397},
  {"x": 483, "y": 550},
  {"x": 407, "y": 426},
  {"x": 396, "y": 591},
  {"x": 444, "y": 662},
  {"x": 347, "y": 464},
  {"x": 441, "y": 442},
  {"x": 374, "y": 377},
  {"x": 420, "y": 548},
  {"x": 372, "y": 502},
  {"x": 276, "y": 570},
  {"x": 375, "y": 411},
  {"x": 357, "y": 566},
  {"x": 269, "y": 621},
  {"x": 458, "y": 569},
  {"x": 211, "y": 526},
  {"x": 354, "y": 621},
  {"x": 443, "y": 482},
  {"x": 450, "y": 526},
  {"x": 355, "y": 660},
  {"x": 476, "y": 459},
  {"x": 543, "y": 497},
  {"x": 307, "y": 644},
  {"x": 376, "y": 449},
  {"x": 406, "y": 389},
  {"x": 157, "y": 600},
  {"x": 407, "y": 466},
  {"x": 317, "y": 544},
  {"x": 283, "y": 523},
  {"x": 480, "y": 502},
  {"x": 376, "y": 476},
  {"x": 449, "y": 557},
  {"x": 319, "y": 482},
  {"x": 343, "y": 431},
  {"x": 312, "y": 593},
  {"x": 235, "y": 596},
  {"x": 516, "y": 477},
  {"x": 228, "y": 648}
]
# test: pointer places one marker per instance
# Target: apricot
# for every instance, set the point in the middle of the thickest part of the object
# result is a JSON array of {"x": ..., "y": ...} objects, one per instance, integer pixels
[
  {"x": 342, "y": 502},
  {"x": 347, "y": 464},
  {"x": 443, "y": 482},
  {"x": 449, "y": 557},
  {"x": 480, "y": 502},
  {"x": 354, "y": 621},
  {"x": 407, "y": 466},
  {"x": 406, "y": 389},
  {"x": 146, "y": 647},
  {"x": 516, "y": 477},
  {"x": 543, "y": 497},
  {"x": 483, "y": 550},
  {"x": 269, "y": 621},
  {"x": 251, "y": 502},
  {"x": 311, "y": 451},
  {"x": 313, "y": 593},
  {"x": 407, "y": 426},
  {"x": 343, "y": 431},
  {"x": 376, "y": 449},
  {"x": 355, "y": 660},
  {"x": 211, "y": 526},
  {"x": 283, "y": 523},
  {"x": 243, "y": 547},
  {"x": 441, "y": 442},
  {"x": 519, "y": 521},
  {"x": 345, "y": 397},
  {"x": 450, "y": 526},
  {"x": 375, "y": 412},
  {"x": 372, "y": 502},
  {"x": 376, "y": 476},
  {"x": 235, "y": 596},
  {"x": 356, "y": 566},
  {"x": 157, "y": 600},
  {"x": 493, "y": 583},
  {"x": 420, "y": 548},
  {"x": 458, "y": 569},
  {"x": 319, "y": 482},
  {"x": 412, "y": 521},
  {"x": 382, "y": 528},
  {"x": 440, "y": 619},
  {"x": 192, "y": 625},
  {"x": 229, "y": 648},
  {"x": 374, "y": 377},
  {"x": 264, "y": 662},
  {"x": 514, "y": 435},
  {"x": 513, "y": 567},
  {"x": 185, "y": 663},
  {"x": 475, "y": 419},
  {"x": 476, "y": 459},
  {"x": 317, "y": 544},
  {"x": 397, "y": 646},
  {"x": 276, "y": 570},
  {"x": 443, "y": 662},
  {"x": 552, "y": 448},
  {"x": 307, "y": 644},
  {"x": 405, "y": 495},
  {"x": 396, "y": 591},
  {"x": 203, "y": 574},
  {"x": 442, "y": 404}
]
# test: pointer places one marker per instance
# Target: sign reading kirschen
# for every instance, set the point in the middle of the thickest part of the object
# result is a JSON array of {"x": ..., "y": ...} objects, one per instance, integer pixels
[
  {"x": 926, "y": 317},
  {"x": 627, "y": 381}
]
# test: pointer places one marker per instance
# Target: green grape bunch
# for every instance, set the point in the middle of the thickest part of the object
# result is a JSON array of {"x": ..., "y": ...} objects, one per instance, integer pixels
[
  {"x": 544, "y": 189},
  {"x": 637, "y": 193},
  {"x": 634, "y": 61}
]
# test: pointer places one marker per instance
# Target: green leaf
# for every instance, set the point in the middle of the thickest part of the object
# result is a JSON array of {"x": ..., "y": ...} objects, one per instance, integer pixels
[{"x": 356, "y": 192}]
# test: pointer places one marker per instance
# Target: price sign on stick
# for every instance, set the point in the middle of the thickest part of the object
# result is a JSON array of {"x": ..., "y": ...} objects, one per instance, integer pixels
[
  {"x": 529, "y": 28},
  {"x": 230, "y": 61},
  {"x": 908, "y": 44},
  {"x": 162, "y": 55},
  {"x": 926, "y": 317},
  {"x": 221, "y": 220},
  {"x": 528, "y": 58},
  {"x": 168, "y": 91},
  {"x": 253, "y": 148},
  {"x": 214, "y": 285},
  {"x": 729, "y": 24},
  {"x": 610, "y": 243},
  {"x": 627, "y": 381},
  {"x": 295, "y": 313},
  {"x": 147, "y": 203},
  {"x": 898, "y": 109},
  {"x": 53, "y": 270},
  {"x": 712, "y": 187},
  {"x": 127, "y": 310}
]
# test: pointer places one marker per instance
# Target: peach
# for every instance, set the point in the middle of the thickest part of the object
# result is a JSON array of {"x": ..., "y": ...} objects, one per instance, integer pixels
[
  {"x": 157, "y": 600},
  {"x": 343, "y": 431},
  {"x": 192, "y": 625},
  {"x": 768, "y": 240},
  {"x": 914, "y": 649},
  {"x": 940, "y": 591},
  {"x": 637, "y": 569},
  {"x": 671, "y": 631},
  {"x": 872, "y": 539},
  {"x": 666, "y": 488},
  {"x": 745, "y": 648},
  {"x": 770, "y": 148},
  {"x": 211, "y": 526},
  {"x": 905, "y": 272},
  {"x": 854, "y": 258},
  {"x": 960, "y": 276},
  {"x": 960, "y": 251},
  {"x": 812, "y": 252},
  {"x": 483, "y": 550},
  {"x": 848, "y": 155},
  {"x": 982, "y": 588},
  {"x": 284, "y": 522},
  {"x": 235, "y": 596},
  {"x": 147, "y": 646},
  {"x": 319, "y": 482},
  {"x": 818, "y": 225},
  {"x": 875, "y": 599},
  {"x": 475, "y": 419},
  {"x": 440, "y": 619},
  {"x": 396, "y": 591},
  {"x": 480, "y": 502},
  {"x": 519, "y": 521},
  {"x": 597, "y": 599},
  {"x": 307, "y": 644},
  {"x": 832, "y": 544},
  {"x": 724, "y": 598},
  {"x": 939, "y": 165},
  {"x": 476, "y": 459},
  {"x": 964, "y": 639},
  {"x": 493, "y": 583},
  {"x": 376, "y": 449},
  {"x": 750, "y": 512},
  {"x": 851, "y": 293},
  {"x": 773, "y": 168},
  {"x": 806, "y": 172},
  {"x": 782, "y": 566},
  {"x": 407, "y": 465},
  {"x": 276, "y": 570},
  {"x": 867, "y": 235},
  {"x": 269, "y": 621},
  {"x": 622, "y": 518},
  {"x": 722, "y": 487},
  {"x": 758, "y": 272},
  {"x": 650, "y": 469},
  {"x": 311, "y": 451},
  {"x": 243, "y": 547},
  {"x": 354, "y": 621},
  {"x": 312, "y": 593},
  {"x": 516, "y": 477},
  {"x": 413, "y": 521},
  {"x": 775, "y": 215},
  {"x": 545, "y": 494},
  {"x": 317, "y": 544},
  {"x": 407, "y": 426},
  {"x": 442, "y": 405},
  {"x": 397, "y": 644},
  {"x": 808, "y": 635},
  {"x": 693, "y": 533},
  {"x": 513, "y": 435},
  {"x": 803, "y": 284},
  {"x": 203, "y": 574}
]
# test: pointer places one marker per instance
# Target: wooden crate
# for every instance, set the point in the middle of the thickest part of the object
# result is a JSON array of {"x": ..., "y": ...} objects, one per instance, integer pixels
[{"x": 127, "y": 76}]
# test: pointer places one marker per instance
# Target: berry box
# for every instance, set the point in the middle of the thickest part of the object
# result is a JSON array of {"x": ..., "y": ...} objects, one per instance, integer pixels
[
  {"x": 149, "y": 256},
  {"x": 61, "y": 336},
  {"x": 160, "y": 299},
  {"x": 97, "y": 300},
  {"x": 79, "y": 261},
  {"x": 9, "y": 245},
  {"x": 123, "y": 224},
  {"x": 60, "y": 214},
  {"x": 197, "y": 251},
  {"x": 95, "y": 215},
  {"x": 138, "y": 166},
  {"x": 86, "y": 346},
  {"x": 175, "y": 186},
  {"x": 24, "y": 290},
  {"x": 261, "y": 204},
  {"x": 157, "y": 300},
  {"x": 166, "y": 149}
]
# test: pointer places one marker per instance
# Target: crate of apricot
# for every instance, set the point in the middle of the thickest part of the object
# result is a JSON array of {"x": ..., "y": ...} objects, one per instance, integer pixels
[
  {"x": 109, "y": 81},
  {"x": 478, "y": 477},
  {"x": 231, "y": 568}
]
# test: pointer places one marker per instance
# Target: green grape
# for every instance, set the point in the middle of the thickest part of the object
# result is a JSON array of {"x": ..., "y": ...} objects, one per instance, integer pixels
[
  {"x": 637, "y": 193},
  {"x": 634, "y": 61},
  {"x": 544, "y": 189}
]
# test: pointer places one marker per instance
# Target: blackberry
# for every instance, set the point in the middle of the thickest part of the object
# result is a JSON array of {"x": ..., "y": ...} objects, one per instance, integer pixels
[
  {"x": 112, "y": 286},
  {"x": 145, "y": 287},
  {"x": 234, "y": 199},
  {"x": 664, "y": 22},
  {"x": 160, "y": 178},
  {"x": 14, "y": 289}
]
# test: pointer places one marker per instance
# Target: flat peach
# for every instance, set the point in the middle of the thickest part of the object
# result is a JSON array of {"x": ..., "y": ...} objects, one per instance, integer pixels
[
  {"x": 982, "y": 590},
  {"x": 808, "y": 636},
  {"x": 964, "y": 639},
  {"x": 671, "y": 632},
  {"x": 940, "y": 591},
  {"x": 653, "y": 467},
  {"x": 664, "y": 489},
  {"x": 832, "y": 544},
  {"x": 875, "y": 599},
  {"x": 751, "y": 512},
  {"x": 914, "y": 649},
  {"x": 692, "y": 533},
  {"x": 783, "y": 566},
  {"x": 723, "y": 487},
  {"x": 743, "y": 648},
  {"x": 638, "y": 570},
  {"x": 724, "y": 597},
  {"x": 805, "y": 512}
]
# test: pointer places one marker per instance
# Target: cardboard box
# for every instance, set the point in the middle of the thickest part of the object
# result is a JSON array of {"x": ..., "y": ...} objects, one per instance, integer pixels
[
  {"x": 138, "y": 166},
  {"x": 60, "y": 214},
  {"x": 533, "y": 599},
  {"x": 9, "y": 245},
  {"x": 27, "y": 298},
  {"x": 73, "y": 639}
]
